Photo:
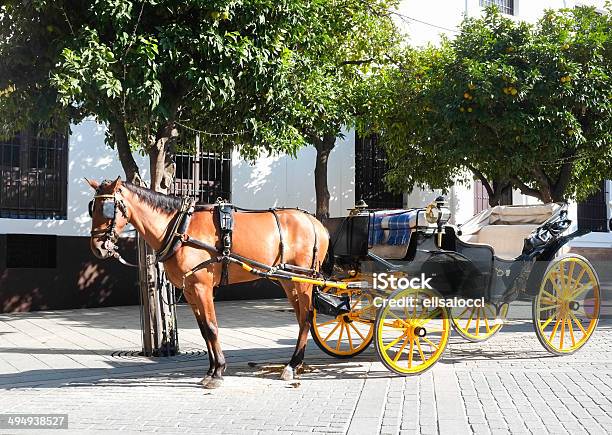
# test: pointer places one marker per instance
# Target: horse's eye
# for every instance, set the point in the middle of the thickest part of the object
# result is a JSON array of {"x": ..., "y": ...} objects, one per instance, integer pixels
[{"x": 90, "y": 208}]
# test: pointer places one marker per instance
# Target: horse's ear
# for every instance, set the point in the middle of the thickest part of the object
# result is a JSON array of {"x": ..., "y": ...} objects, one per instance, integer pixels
[
  {"x": 115, "y": 184},
  {"x": 93, "y": 183}
]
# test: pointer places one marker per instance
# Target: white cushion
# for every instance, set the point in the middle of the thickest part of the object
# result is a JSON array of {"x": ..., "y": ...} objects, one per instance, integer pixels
[{"x": 506, "y": 240}]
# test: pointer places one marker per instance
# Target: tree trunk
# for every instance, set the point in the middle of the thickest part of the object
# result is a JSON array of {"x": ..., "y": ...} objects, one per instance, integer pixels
[
  {"x": 499, "y": 189},
  {"x": 161, "y": 293},
  {"x": 157, "y": 313},
  {"x": 161, "y": 165},
  {"x": 324, "y": 146},
  {"x": 558, "y": 193}
]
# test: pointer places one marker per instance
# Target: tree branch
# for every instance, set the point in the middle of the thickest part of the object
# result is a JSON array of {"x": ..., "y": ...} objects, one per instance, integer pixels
[
  {"x": 122, "y": 143},
  {"x": 525, "y": 189},
  {"x": 482, "y": 179},
  {"x": 357, "y": 62}
]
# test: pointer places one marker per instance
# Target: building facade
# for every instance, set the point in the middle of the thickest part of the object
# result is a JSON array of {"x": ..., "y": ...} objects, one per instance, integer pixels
[{"x": 45, "y": 261}]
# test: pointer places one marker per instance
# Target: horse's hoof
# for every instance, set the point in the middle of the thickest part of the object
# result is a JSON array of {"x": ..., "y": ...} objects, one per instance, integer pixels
[
  {"x": 205, "y": 380},
  {"x": 287, "y": 374},
  {"x": 213, "y": 383}
]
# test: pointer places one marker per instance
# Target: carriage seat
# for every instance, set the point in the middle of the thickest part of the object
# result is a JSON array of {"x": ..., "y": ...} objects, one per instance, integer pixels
[
  {"x": 390, "y": 231},
  {"x": 505, "y": 227},
  {"x": 506, "y": 240}
]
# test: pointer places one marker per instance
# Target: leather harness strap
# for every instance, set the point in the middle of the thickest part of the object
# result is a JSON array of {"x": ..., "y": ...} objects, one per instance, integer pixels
[
  {"x": 171, "y": 242},
  {"x": 224, "y": 255},
  {"x": 226, "y": 225},
  {"x": 281, "y": 247}
]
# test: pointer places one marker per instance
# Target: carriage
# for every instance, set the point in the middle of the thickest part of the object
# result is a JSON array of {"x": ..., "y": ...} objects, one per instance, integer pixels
[
  {"x": 472, "y": 273},
  {"x": 400, "y": 278}
]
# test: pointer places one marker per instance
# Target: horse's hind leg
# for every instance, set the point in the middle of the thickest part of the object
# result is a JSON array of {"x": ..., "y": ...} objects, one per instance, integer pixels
[{"x": 300, "y": 296}]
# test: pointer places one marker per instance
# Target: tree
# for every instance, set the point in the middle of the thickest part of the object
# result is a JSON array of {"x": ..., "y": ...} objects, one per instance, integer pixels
[
  {"x": 145, "y": 68},
  {"x": 353, "y": 38},
  {"x": 514, "y": 104},
  {"x": 148, "y": 69}
]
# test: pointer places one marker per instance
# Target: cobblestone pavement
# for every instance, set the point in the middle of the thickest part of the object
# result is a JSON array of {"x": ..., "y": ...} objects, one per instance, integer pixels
[{"x": 79, "y": 362}]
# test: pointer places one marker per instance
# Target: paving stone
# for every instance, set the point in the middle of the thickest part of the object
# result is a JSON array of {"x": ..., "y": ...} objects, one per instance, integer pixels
[{"x": 63, "y": 362}]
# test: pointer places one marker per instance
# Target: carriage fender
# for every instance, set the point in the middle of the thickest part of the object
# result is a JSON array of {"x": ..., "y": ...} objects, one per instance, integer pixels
[{"x": 544, "y": 257}]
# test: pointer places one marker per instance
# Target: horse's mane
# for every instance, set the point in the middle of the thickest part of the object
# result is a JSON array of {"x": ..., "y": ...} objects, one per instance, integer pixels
[{"x": 159, "y": 201}]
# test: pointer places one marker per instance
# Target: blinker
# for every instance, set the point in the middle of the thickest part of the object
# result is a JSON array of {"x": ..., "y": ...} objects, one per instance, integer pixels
[
  {"x": 90, "y": 207},
  {"x": 108, "y": 209}
]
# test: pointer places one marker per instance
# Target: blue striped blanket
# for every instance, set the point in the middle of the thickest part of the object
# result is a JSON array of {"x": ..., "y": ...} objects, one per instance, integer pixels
[{"x": 392, "y": 227}]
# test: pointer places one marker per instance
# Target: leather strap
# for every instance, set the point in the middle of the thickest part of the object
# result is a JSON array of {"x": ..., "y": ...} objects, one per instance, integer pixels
[
  {"x": 281, "y": 247},
  {"x": 172, "y": 241}
]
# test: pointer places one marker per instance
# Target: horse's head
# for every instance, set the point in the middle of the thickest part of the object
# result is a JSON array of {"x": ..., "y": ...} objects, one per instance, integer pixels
[{"x": 109, "y": 217}]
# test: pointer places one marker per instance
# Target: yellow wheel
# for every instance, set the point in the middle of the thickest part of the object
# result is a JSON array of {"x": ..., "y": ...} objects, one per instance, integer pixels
[
  {"x": 566, "y": 309},
  {"x": 348, "y": 334},
  {"x": 411, "y": 334},
  {"x": 479, "y": 323}
]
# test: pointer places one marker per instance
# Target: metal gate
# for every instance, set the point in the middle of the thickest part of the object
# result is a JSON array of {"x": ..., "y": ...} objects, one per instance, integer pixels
[
  {"x": 205, "y": 175},
  {"x": 370, "y": 170}
]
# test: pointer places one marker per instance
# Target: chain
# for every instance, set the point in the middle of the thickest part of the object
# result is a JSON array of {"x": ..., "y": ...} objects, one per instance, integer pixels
[{"x": 211, "y": 134}]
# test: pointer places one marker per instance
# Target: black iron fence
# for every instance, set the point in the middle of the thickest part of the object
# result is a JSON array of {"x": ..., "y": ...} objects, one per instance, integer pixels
[
  {"x": 33, "y": 176},
  {"x": 593, "y": 212},
  {"x": 505, "y": 6},
  {"x": 370, "y": 169}
]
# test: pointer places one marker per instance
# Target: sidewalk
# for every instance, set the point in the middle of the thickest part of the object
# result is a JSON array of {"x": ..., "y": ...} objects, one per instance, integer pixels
[{"x": 84, "y": 363}]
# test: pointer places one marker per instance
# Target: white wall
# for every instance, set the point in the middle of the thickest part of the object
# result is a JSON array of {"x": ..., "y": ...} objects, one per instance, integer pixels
[
  {"x": 444, "y": 16},
  {"x": 289, "y": 182},
  {"x": 89, "y": 157}
]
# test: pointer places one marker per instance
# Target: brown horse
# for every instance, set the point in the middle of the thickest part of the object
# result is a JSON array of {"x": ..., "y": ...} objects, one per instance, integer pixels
[{"x": 255, "y": 236}]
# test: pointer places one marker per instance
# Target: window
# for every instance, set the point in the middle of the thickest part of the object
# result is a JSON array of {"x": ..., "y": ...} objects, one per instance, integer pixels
[
  {"x": 33, "y": 176},
  {"x": 370, "y": 169},
  {"x": 593, "y": 212},
  {"x": 31, "y": 251},
  {"x": 203, "y": 174},
  {"x": 505, "y": 6}
]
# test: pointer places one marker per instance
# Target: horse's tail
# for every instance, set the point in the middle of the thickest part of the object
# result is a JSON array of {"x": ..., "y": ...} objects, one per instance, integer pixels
[{"x": 328, "y": 262}]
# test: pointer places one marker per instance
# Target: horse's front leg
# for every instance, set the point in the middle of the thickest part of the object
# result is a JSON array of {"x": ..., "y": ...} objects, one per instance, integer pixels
[
  {"x": 190, "y": 297},
  {"x": 211, "y": 354},
  {"x": 204, "y": 296}
]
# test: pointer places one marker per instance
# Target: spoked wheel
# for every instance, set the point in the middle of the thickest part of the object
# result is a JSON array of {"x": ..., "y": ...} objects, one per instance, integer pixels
[
  {"x": 566, "y": 309},
  {"x": 348, "y": 334},
  {"x": 479, "y": 323},
  {"x": 411, "y": 338}
]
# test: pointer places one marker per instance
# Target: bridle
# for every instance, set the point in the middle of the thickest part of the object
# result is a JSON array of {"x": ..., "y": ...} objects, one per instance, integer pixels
[{"x": 109, "y": 234}]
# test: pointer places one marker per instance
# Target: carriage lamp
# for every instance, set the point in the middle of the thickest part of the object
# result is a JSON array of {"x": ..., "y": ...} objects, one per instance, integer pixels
[{"x": 360, "y": 206}]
